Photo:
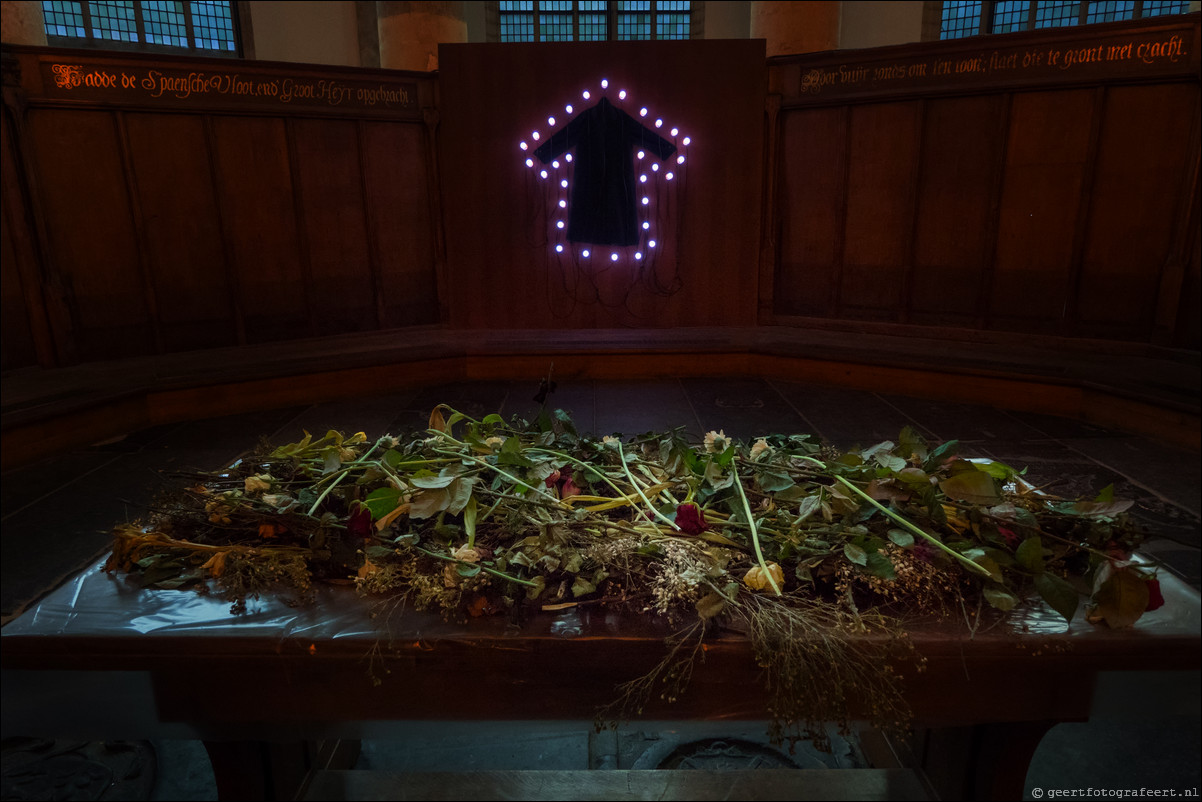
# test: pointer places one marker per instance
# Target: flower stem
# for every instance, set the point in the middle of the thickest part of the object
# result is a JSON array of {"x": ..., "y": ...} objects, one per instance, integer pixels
[
  {"x": 642, "y": 495},
  {"x": 755, "y": 535},
  {"x": 492, "y": 571}
]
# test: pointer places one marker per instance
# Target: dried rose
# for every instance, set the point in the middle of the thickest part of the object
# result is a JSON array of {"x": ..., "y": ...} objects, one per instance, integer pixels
[
  {"x": 760, "y": 448},
  {"x": 690, "y": 519},
  {"x": 258, "y": 482},
  {"x": 358, "y": 523},
  {"x": 756, "y": 579},
  {"x": 1155, "y": 598}
]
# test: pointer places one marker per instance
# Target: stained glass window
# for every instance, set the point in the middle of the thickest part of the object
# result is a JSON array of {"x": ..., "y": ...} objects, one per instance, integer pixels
[
  {"x": 162, "y": 25},
  {"x": 959, "y": 18},
  {"x": 592, "y": 20}
]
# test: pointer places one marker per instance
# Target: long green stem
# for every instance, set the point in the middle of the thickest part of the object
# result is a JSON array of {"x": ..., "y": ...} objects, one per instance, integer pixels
[
  {"x": 492, "y": 571},
  {"x": 580, "y": 464},
  {"x": 491, "y": 467},
  {"x": 916, "y": 530},
  {"x": 342, "y": 475},
  {"x": 755, "y": 535},
  {"x": 642, "y": 495}
]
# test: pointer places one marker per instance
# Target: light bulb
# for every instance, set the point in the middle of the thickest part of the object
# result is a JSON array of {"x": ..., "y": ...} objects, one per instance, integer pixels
[
  {"x": 604, "y": 84},
  {"x": 529, "y": 162},
  {"x": 584, "y": 253},
  {"x": 646, "y": 200},
  {"x": 564, "y": 183},
  {"x": 559, "y": 249},
  {"x": 555, "y": 164},
  {"x": 655, "y": 167},
  {"x": 675, "y": 131},
  {"x": 646, "y": 225},
  {"x": 659, "y": 123},
  {"x": 643, "y": 179},
  {"x": 534, "y": 136},
  {"x": 613, "y": 257},
  {"x": 567, "y": 158},
  {"x": 568, "y": 108},
  {"x": 563, "y": 204},
  {"x": 585, "y": 94},
  {"x": 622, "y": 95},
  {"x": 523, "y": 145},
  {"x": 687, "y": 140},
  {"x": 643, "y": 111},
  {"x": 651, "y": 244},
  {"x": 668, "y": 176},
  {"x": 559, "y": 224},
  {"x": 640, "y": 154},
  {"x": 680, "y": 159},
  {"x": 638, "y": 254},
  {"x": 542, "y": 174},
  {"x": 550, "y": 121}
]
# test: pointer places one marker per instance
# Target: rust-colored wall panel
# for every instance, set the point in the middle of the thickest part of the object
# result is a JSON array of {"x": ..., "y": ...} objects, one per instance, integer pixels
[
  {"x": 1140, "y": 156},
  {"x": 256, "y": 196},
  {"x": 17, "y": 350},
  {"x": 880, "y": 205},
  {"x": 810, "y": 193},
  {"x": 1045, "y": 166},
  {"x": 182, "y": 232},
  {"x": 960, "y": 158},
  {"x": 328, "y": 175},
  {"x": 90, "y": 230},
  {"x": 401, "y": 219}
]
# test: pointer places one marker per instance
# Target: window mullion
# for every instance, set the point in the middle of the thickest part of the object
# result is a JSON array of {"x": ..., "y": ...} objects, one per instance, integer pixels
[
  {"x": 1138, "y": 11},
  {"x": 1083, "y": 13},
  {"x": 86, "y": 11},
  {"x": 188, "y": 27},
  {"x": 1031, "y": 15},
  {"x": 139, "y": 24},
  {"x": 986, "y": 17}
]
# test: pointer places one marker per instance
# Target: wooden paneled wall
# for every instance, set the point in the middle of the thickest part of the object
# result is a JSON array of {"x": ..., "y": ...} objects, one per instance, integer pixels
[
  {"x": 159, "y": 204},
  {"x": 1044, "y": 183}
]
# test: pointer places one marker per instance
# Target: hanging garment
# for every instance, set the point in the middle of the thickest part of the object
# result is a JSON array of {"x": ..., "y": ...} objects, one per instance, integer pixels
[{"x": 603, "y": 209}]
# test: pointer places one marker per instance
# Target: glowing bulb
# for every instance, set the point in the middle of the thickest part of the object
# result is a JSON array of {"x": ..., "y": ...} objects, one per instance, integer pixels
[
  {"x": 641, "y": 154},
  {"x": 668, "y": 176},
  {"x": 550, "y": 121},
  {"x": 542, "y": 174},
  {"x": 604, "y": 84},
  {"x": 567, "y": 158},
  {"x": 643, "y": 111},
  {"x": 559, "y": 249},
  {"x": 568, "y": 108},
  {"x": 638, "y": 254},
  {"x": 651, "y": 244},
  {"x": 584, "y": 253},
  {"x": 563, "y": 204},
  {"x": 564, "y": 183},
  {"x": 622, "y": 95},
  {"x": 613, "y": 257},
  {"x": 646, "y": 200},
  {"x": 534, "y": 136},
  {"x": 675, "y": 131},
  {"x": 523, "y": 145},
  {"x": 687, "y": 140},
  {"x": 655, "y": 167},
  {"x": 555, "y": 164},
  {"x": 559, "y": 224},
  {"x": 585, "y": 94},
  {"x": 646, "y": 226},
  {"x": 680, "y": 159},
  {"x": 659, "y": 123},
  {"x": 529, "y": 162},
  {"x": 643, "y": 179}
]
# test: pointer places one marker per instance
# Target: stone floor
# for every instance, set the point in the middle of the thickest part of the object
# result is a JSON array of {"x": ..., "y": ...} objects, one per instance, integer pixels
[{"x": 56, "y": 516}]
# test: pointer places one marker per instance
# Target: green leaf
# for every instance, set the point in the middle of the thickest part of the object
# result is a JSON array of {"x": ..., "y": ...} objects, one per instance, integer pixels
[
  {"x": 378, "y": 552},
  {"x": 911, "y": 442},
  {"x": 467, "y": 569},
  {"x": 855, "y": 554},
  {"x": 1059, "y": 594},
  {"x": 535, "y": 590},
  {"x": 383, "y": 501},
  {"x": 428, "y": 503},
  {"x": 998, "y": 470},
  {"x": 1094, "y": 509},
  {"x": 710, "y": 605},
  {"x": 459, "y": 494},
  {"x": 432, "y": 482},
  {"x": 1121, "y": 598},
  {"x": 1029, "y": 555},
  {"x": 1107, "y": 493},
  {"x": 469, "y": 519},
  {"x": 493, "y": 419},
  {"x": 999, "y": 598},
  {"x": 771, "y": 482},
  {"x": 581, "y": 587},
  {"x": 809, "y": 505},
  {"x": 901, "y": 537},
  {"x": 941, "y": 452},
  {"x": 331, "y": 460},
  {"x": 890, "y": 461},
  {"x": 879, "y": 565},
  {"x": 975, "y": 487}
]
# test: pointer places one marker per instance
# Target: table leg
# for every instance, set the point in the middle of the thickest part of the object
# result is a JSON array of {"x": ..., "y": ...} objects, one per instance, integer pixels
[
  {"x": 254, "y": 770},
  {"x": 984, "y": 761}
]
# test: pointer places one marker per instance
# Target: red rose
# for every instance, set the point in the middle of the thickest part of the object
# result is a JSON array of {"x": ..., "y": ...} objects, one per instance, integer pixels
[
  {"x": 358, "y": 524},
  {"x": 1012, "y": 540},
  {"x": 1155, "y": 599},
  {"x": 690, "y": 519}
]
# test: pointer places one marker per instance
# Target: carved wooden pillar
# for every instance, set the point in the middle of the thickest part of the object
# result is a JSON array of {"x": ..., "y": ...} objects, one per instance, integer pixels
[
  {"x": 411, "y": 32},
  {"x": 21, "y": 23},
  {"x": 792, "y": 28}
]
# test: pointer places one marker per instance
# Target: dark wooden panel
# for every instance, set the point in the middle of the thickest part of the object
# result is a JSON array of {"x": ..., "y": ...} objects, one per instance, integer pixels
[
  {"x": 1140, "y": 156},
  {"x": 90, "y": 231},
  {"x": 811, "y": 192},
  {"x": 398, "y": 205},
  {"x": 327, "y": 159},
  {"x": 182, "y": 232},
  {"x": 961, "y": 153},
  {"x": 17, "y": 350},
  {"x": 1045, "y": 163},
  {"x": 880, "y": 207},
  {"x": 256, "y": 198}
]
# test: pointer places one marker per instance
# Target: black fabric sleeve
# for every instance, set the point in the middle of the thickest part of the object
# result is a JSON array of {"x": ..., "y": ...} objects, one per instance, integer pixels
[
  {"x": 561, "y": 141},
  {"x": 648, "y": 140}
]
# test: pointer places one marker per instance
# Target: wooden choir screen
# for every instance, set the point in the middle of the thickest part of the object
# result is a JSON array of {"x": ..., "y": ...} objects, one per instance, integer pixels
[
  {"x": 1043, "y": 183},
  {"x": 162, "y": 204}
]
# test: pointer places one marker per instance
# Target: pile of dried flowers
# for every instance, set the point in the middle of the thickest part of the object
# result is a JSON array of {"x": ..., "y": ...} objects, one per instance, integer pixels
[{"x": 788, "y": 541}]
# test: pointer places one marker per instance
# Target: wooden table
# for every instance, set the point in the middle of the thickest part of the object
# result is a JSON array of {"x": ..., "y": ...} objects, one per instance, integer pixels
[{"x": 290, "y": 675}]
